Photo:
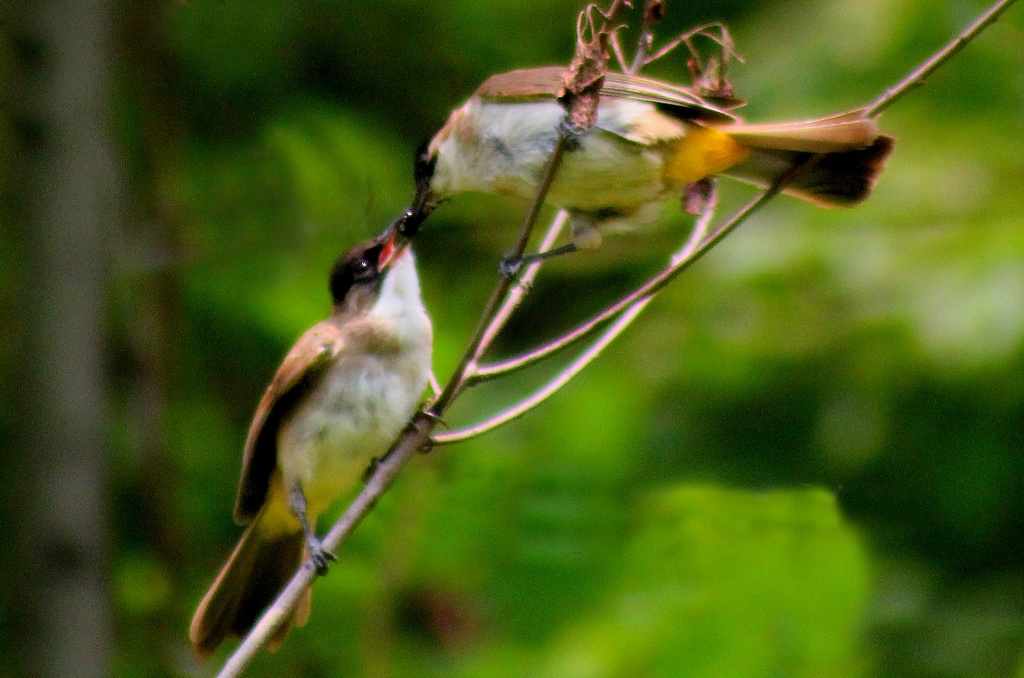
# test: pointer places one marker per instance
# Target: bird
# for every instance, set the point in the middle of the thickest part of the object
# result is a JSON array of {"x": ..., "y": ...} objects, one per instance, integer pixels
[
  {"x": 651, "y": 140},
  {"x": 338, "y": 401}
]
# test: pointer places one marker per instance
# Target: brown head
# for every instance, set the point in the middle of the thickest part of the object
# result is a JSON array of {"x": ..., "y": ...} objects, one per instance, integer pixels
[{"x": 357, "y": 275}]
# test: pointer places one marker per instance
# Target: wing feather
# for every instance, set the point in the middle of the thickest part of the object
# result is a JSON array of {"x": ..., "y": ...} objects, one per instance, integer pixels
[
  {"x": 298, "y": 373},
  {"x": 537, "y": 84}
]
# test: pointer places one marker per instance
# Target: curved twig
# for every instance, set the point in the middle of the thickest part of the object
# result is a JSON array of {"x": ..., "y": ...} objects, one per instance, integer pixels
[
  {"x": 627, "y": 317},
  {"x": 552, "y": 387},
  {"x": 584, "y": 330},
  {"x": 476, "y": 344},
  {"x": 518, "y": 292}
]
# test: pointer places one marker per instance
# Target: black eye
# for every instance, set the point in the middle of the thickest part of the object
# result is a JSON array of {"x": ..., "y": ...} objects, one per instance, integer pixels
[{"x": 363, "y": 269}]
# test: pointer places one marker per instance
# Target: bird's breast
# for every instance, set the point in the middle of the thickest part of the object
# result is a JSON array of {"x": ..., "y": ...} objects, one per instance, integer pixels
[
  {"x": 354, "y": 413},
  {"x": 503, "y": 148}
]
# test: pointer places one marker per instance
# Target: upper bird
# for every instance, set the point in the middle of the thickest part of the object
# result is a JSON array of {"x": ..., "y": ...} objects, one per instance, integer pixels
[
  {"x": 339, "y": 399},
  {"x": 651, "y": 139}
]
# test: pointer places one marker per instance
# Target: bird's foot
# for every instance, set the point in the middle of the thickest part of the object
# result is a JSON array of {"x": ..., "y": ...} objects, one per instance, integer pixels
[
  {"x": 319, "y": 556},
  {"x": 511, "y": 267}
]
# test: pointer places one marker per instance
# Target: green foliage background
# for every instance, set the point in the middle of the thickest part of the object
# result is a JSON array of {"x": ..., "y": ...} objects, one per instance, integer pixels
[{"x": 806, "y": 460}]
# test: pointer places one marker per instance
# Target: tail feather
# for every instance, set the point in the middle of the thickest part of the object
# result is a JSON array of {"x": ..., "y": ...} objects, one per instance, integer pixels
[
  {"x": 258, "y": 569},
  {"x": 838, "y": 179},
  {"x": 844, "y": 132}
]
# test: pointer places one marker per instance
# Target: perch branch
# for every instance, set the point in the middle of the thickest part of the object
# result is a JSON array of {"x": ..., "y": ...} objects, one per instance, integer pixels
[
  {"x": 494, "y": 370},
  {"x": 625, "y": 320},
  {"x": 552, "y": 387},
  {"x": 917, "y": 77}
]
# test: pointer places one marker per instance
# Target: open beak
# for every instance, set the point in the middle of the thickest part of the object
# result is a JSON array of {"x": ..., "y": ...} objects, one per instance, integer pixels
[{"x": 394, "y": 244}]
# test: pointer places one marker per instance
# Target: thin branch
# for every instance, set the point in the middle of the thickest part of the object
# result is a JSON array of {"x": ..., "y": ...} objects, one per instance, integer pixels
[
  {"x": 494, "y": 370},
  {"x": 620, "y": 57},
  {"x": 518, "y": 293},
  {"x": 654, "y": 284},
  {"x": 552, "y": 387},
  {"x": 654, "y": 12},
  {"x": 625, "y": 320},
  {"x": 723, "y": 40},
  {"x": 476, "y": 344},
  {"x": 917, "y": 77}
]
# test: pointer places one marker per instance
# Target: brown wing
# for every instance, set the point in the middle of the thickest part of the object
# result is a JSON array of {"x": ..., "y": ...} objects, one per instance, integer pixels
[
  {"x": 303, "y": 365},
  {"x": 536, "y": 84},
  {"x": 524, "y": 84}
]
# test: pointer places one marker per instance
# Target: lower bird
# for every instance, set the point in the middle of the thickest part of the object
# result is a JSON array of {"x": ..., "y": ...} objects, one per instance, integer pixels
[
  {"x": 339, "y": 400},
  {"x": 651, "y": 140}
]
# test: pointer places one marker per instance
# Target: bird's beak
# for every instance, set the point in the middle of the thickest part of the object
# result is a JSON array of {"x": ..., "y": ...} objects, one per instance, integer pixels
[
  {"x": 408, "y": 225},
  {"x": 394, "y": 244}
]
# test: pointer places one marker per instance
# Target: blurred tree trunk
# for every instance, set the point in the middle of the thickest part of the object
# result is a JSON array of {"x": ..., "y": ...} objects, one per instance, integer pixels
[{"x": 63, "y": 609}]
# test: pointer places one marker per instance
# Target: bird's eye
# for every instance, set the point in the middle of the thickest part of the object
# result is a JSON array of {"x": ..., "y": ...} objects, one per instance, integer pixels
[{"x": 362, "y": 269}]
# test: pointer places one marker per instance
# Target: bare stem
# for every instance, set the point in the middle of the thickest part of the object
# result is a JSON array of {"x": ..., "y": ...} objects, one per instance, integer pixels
[
  {"x": 723, "y": 40},
  {"x": 476, "y": 344},
  {"x": 620, "y": 57},
  {"x": 917, "y": 77},
  {"x": 627, "y": 317},
  {"x": 518, "y": 293},
  {"x": 494, "y": 370},
  {"x": 653, "y": 11},
  {"x": 553, "y": 386}
]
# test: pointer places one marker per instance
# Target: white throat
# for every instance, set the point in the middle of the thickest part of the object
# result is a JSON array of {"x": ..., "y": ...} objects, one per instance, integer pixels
[{"x": 400, "y": 301}]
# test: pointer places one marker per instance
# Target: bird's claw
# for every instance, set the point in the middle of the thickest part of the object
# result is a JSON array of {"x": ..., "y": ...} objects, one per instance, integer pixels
[
  {"x": 321, "y": 558},
  {"x": 511, "y": 267}
]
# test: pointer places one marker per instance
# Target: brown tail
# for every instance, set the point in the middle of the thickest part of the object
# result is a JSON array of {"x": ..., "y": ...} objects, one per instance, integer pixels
[
  {"x": 254, "y": 575},
  {"x": 852, "y": 155}
]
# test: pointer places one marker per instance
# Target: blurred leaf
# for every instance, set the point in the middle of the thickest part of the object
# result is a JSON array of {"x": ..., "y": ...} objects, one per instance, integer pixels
[{"x": 723, "y": 582}]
